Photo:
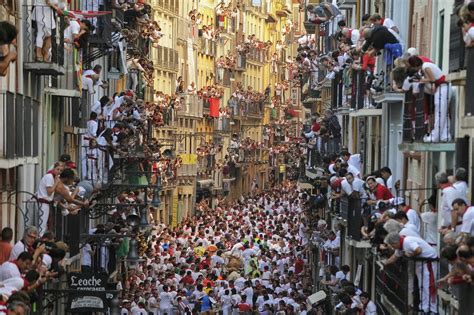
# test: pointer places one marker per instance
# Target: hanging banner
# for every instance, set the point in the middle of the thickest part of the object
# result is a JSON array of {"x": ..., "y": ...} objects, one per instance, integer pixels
[{"x": 92, "y": 294}]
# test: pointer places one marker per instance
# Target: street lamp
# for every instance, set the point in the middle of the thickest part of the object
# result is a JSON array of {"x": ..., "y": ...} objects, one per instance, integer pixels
[
  {"x": 156, "y": 202},
  {"x": 133, "y": 219}
]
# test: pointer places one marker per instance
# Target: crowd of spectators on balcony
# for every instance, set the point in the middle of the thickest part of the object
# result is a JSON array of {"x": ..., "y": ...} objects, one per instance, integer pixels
[
  {"x": 355, "y": 58},
  {"x": 396, "y": 229},
  {"x": 251, "y": 42}
]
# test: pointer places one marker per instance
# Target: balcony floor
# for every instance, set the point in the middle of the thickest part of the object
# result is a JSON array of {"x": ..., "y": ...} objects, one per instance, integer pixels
[
  {"x": 44, "y": 68},
  {"x": 427, "y": 147},
  {"x": 389, "y": 97}
]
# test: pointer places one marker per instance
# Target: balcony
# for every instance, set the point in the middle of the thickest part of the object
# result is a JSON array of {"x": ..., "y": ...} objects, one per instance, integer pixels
[
  {"x": 191, "y": 107},
  {"x": 51, "y": 64},
  {"x": 418, "y": 120},
  {"x": 166, "y": 58},
  {"x": 207, "y": 47},
  {"x": 227, "y": 26},
  {"x": 394, "y": 287},
  {"x": 224, "y": 76},
  {"x": 169, "y": 5},
  {"x": 20, "y": 131},
  {"x": 222, "y": 125},
  {"x": 384, "y": 83},
  {"x": 241, "y": 62},
  {"x": 256, "y": 55}
]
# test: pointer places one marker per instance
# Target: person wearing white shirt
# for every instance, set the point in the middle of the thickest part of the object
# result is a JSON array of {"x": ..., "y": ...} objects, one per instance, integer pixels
[
  {"x": 368, "y": 307},
  {"x": 248, "y": 291},
  {"x": 14, "y": 269},
  {"x": 448, "y": 195},
  {"x": 430, "y": 219},
  {"x": 411, "y": 214},
  {"x": 352, "y": 159},
  {"x": 466, "y": 213},
  {"x": 351, "y": 184},
  {"x": 29, "y": 237},
  {"x": 45, "y": 193},
  {"x": 386, "y": 174},
  {"x": 412, "y": 246},
  {"x": 166, "y": 299},
  {"x": 343, "y": 274},
  {"x": 86, "y": 257},
  {"x": 460, "y": 183},
  {"x": 153, "y": 305}
]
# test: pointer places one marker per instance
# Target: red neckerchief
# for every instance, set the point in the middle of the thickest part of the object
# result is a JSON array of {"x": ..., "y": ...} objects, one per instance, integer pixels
[
  {"x": 406, "y": 208},
  {"x": 402, "y": 240},
  {"x": 443, "y": 186},
  {"x": 432, "y": 281}
]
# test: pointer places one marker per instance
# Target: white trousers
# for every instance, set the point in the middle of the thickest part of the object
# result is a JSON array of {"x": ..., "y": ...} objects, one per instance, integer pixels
[
  {"x": 427, "y": 303},
  {"x": 441, "y": 128}
]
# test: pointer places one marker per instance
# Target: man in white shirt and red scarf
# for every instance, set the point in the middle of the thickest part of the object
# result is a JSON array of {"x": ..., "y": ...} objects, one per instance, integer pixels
[{"x": 425, "y": 266}]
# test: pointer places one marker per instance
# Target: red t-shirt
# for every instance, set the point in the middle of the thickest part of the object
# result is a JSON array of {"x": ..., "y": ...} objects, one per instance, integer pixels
[
  {"x": 5, "y": 250},
  {"x": 299, "y": 266},
  {"x": 244, "y": 307},
  {"x": 382, "y": 193}
]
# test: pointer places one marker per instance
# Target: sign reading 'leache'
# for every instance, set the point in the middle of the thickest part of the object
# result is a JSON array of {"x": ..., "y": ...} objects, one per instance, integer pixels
[{"x": 92, "y": 294}]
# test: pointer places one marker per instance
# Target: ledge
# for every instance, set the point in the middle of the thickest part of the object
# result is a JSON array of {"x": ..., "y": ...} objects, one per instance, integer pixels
[
  {"x": 10, "y": 163},
  {"x": 366, "y": 112},
  {"x": 428, "y": 147},
  {"x": 389, "y": 97},
  {"x": 44, "y": 68},
  {"x": 358, "y": 244},
  {"x": 457, "y": 78},
  {"x": 63, "y": 92}
]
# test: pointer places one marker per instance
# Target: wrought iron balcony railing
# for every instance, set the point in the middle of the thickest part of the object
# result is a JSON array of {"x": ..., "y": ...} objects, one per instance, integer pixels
[
  {"x": 166, "y": 58},
  {"x": 192, "y": 106},
  {"x": 422, "y": 117},
  {"x": 222, "y": 124},
  {"x": 43, "y": 40},
  {"x": 207, "y": 47}
]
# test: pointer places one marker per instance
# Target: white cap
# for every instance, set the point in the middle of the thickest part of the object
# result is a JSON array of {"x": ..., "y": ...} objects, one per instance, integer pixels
[
  {"x": 412, "y": 51},
  {"x": 47, "y": 260},
  {"x": 321, "y": 222}
]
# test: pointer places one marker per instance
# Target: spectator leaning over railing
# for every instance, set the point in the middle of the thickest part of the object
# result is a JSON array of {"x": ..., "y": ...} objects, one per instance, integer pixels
[
  {"x": 436, "y": 85},
  {"x": 466, "y": 215},
  {"x": 449, "y": 194},
  {"x": 425, "y": 265}
]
